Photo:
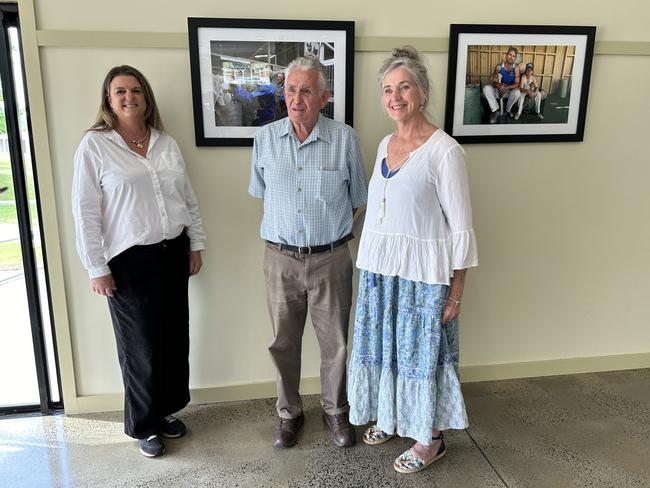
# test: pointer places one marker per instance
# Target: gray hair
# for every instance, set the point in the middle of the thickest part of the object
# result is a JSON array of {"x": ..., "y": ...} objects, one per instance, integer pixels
[
  {"x": 305, "y": 63},
  {"x": 408, "y": 58}
]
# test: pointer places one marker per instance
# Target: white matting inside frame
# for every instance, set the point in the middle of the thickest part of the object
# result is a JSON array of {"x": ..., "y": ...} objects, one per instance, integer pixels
[{"x": 570, "y": 127}]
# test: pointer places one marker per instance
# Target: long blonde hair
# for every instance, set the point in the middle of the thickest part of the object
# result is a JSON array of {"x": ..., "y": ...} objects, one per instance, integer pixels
[{"x": 106, "y": 120}]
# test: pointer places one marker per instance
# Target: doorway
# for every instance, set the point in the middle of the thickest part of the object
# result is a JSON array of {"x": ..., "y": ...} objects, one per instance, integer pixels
[{"x": 29, "y": 379}]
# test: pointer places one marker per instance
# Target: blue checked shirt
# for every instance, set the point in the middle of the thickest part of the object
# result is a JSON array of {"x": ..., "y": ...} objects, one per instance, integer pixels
[{"x": 310, "y": 188}]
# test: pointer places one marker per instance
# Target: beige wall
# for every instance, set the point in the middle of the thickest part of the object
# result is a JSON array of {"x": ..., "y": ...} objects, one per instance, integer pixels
[{"x": 562, "y": 229}]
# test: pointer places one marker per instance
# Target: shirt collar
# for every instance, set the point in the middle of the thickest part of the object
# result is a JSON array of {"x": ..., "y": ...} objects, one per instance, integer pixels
[
  {"x": 113, "y": 136},
  {"x": 320, "y": 130},
  {"x": 286, "y": 127}
]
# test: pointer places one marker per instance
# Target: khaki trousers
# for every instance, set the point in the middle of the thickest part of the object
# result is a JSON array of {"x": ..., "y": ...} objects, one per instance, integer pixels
[{"x": 323, "y": 283}]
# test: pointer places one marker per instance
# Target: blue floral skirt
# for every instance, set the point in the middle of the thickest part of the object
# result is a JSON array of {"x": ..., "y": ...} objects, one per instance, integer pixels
[{"x": 403, "y": 370}]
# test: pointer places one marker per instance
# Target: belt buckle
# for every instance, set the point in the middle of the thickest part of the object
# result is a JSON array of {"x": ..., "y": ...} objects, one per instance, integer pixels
[{"x": 300, "y": 250}]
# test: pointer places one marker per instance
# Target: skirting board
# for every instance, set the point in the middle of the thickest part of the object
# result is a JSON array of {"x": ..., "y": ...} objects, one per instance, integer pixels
[
  {"x": 311, "y": 385},
  {"x": 553, "y": 367}
]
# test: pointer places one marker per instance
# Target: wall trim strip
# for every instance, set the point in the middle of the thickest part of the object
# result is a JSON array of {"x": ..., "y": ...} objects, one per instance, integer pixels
[
  {"x": 178, "y": 40},
  {"x": 40, "y": 135}
]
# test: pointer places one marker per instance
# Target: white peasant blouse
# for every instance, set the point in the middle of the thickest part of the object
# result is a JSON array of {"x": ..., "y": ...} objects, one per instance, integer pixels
[{"x": 423, "y": 231}]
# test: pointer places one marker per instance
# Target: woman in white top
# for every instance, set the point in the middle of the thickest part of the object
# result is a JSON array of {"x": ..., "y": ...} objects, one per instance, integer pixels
[
  {"x": 416, "y": 244},
  {"x": 140, "y": 236}
]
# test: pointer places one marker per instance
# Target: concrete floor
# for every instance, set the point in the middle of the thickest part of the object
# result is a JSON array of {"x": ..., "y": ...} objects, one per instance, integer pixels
[{"x": 588, "y": 430}]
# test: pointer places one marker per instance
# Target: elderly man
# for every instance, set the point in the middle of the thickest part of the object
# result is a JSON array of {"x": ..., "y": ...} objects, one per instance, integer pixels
[
  {"x": 308, "y": 170},
  {"x": 505, "y": 85}
]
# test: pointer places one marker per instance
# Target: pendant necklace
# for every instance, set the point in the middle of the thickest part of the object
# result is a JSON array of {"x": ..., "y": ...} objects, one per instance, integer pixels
[
  {"x": 382, "y": 203},
  {"x": 139, "y": 143}
]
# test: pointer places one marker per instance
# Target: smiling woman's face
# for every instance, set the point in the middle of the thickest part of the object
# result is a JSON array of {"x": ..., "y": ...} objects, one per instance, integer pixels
[
  {"x": 402, "y": 98},
  {"x": 126, "y": 98}
]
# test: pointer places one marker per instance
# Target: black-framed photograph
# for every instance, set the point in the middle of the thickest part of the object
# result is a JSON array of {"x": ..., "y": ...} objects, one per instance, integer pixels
[
  {"x": 237, "y": 68},
  {"x": 518, "y": 83}
]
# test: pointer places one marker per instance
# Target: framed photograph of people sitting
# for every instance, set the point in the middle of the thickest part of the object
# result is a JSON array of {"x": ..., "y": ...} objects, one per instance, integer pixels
[
  {"x": 518, "y": 83},
  {"x": 237, "y": 68}
]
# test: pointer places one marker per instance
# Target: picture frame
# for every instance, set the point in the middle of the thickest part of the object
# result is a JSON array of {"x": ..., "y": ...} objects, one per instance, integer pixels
[
  {"x": 553, "y": 62},
  {"x": 237, "y": 70}
]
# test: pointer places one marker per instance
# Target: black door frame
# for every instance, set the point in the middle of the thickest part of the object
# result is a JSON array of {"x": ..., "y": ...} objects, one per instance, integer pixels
[{"x": 9, "y": 18}]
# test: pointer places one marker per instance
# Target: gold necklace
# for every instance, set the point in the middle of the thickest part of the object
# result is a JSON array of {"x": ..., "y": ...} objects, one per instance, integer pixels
[{"x": 139, "y": 143}]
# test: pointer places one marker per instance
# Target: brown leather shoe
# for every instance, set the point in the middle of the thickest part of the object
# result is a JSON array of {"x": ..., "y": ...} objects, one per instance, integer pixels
[
  {"x": 286, "y": 431},
  {"x": 341, "y": 431}
]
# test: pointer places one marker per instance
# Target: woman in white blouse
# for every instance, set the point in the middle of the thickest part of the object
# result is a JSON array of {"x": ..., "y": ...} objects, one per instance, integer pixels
[
  {"x": 416, "y": 245},
  {"x": 140, "y": 236}
]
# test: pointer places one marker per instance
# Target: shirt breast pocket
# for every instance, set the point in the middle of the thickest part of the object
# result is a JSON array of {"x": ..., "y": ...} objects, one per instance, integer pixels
[
  {"x": 332, "y": 184},
  {"x": 169, "y": 161},
  {"x": 171, "y": 172}
]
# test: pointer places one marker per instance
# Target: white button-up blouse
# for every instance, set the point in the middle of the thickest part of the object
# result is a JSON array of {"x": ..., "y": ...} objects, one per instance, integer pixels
[{"x": 121, "y": 199}]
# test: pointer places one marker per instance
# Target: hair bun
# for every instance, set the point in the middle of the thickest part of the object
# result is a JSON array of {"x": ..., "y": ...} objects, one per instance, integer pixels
[{"x": 408, "y": 52}]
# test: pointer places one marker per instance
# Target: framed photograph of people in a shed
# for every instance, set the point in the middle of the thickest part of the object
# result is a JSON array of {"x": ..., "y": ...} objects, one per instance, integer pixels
[
  {"x": 525, "y": 83},
  {"x": 238, "y": 66}
]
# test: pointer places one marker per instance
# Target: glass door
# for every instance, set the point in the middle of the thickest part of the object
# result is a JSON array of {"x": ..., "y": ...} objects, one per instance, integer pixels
[{"x": 28, "y": 369}]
